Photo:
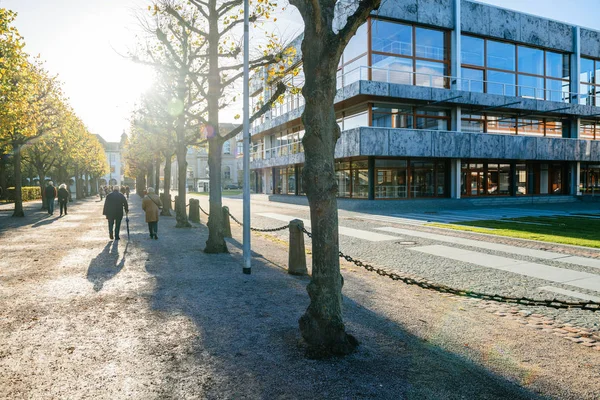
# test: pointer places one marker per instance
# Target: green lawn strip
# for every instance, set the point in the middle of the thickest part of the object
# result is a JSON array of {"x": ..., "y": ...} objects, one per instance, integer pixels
[{"x": 572, "y": 230}]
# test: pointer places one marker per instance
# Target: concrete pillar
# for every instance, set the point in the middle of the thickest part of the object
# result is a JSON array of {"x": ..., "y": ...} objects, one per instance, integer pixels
[
  {"x": 195, "y": 210},
  {"x": 371, "y": 178},
  {"x": 455, "y": 176},
  {"x": 226, "y": 222},
  {"x": 297, "y": 253},
  {"x": 574, "y": 179},
  {"x": 455, "y": 64},
  {"x": 575, "y": 73}
]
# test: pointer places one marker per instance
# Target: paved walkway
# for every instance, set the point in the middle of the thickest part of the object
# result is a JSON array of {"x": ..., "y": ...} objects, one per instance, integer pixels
[{"x": 82, "y": 316}]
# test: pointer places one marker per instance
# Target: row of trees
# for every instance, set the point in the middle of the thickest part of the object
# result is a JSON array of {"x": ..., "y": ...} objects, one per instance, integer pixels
[
  {"x": 38, "y": 129},
  {"x": 197, "y": 59}
]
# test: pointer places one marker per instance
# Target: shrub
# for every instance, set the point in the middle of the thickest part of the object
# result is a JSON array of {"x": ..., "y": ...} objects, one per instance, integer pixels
[{"x": 27, "y": 192}]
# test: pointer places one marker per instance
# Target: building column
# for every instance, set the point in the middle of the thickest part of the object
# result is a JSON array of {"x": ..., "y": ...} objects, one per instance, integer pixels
[
  {"x": 455, "y": 65},
  {"x": 455, "y": 177},
  {"x": 575, "y": 76},
  {"x": 371, "y": 178},
  {"x": 575, "y": 178}
]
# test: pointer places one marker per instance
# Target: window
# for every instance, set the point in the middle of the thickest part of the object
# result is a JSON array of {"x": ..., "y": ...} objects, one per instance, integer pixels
[
  {"x": 590, "y": 82},
  {"x": 407, "y": 54},
  {"x": 512, "y": 70},
  {"x": 511, "y": 125},
  {"x": 397, "y": 116},
  {"x": 226, "y": 173},
  {"x": 589, "y": 130},
  {"x": 227, "y": 147},
  {"x": 391, "y": 179}
]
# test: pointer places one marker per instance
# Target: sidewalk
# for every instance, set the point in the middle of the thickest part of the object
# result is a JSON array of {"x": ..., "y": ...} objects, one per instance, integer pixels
[{"x": 85, "y": 317}]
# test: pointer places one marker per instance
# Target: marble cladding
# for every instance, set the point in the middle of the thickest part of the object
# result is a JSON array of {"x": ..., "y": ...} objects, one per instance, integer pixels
[
  {"x": 428, "y": 12},
  {"x": 368, "y": 141},
  {"x": 590, "y": 43},
  {"x": 483, "y": 19}
]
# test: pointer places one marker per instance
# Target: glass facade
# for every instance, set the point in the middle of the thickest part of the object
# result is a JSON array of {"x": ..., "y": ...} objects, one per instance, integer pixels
[
  {"x": 589, "y": 80},
  {"x": 508, "y": 69},
  {"x": 589, "y": 182},
  {"x": 399, "y": 116},
  {"x": 408, "y": 54},
  {"x": 589, "y": 130},
  {"x": 511, "y": 125}
]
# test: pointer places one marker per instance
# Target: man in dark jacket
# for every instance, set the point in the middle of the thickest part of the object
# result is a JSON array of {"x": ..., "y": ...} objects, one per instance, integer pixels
[
  {"x": 50, "y": 193},
  {"x": 113, "y": 209},
  {"x": 63, "y": 198}
]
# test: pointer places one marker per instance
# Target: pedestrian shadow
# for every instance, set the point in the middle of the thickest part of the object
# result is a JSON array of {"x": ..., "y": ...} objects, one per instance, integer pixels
[
  {"x": 248, "y": 328},
  {"x": 47, "y": 220},
  {"x": 106, "y": 265}
]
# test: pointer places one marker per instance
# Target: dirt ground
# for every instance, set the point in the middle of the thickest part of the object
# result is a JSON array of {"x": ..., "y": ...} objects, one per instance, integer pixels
[{"x": 85, "y": 317}]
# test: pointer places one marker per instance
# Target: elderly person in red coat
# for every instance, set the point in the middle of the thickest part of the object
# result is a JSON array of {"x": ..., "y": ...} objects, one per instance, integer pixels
[{"x": 151, "y": 205}]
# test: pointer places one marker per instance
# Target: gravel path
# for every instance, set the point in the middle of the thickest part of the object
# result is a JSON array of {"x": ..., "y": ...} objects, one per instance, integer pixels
[{"x": 85, "y": 317}]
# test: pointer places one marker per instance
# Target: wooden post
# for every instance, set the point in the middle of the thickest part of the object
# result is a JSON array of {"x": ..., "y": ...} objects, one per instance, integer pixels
[
  {"x": 226, "y": 223},
  {"x": 195, "y": 210},
  {"x": 297, "y": 253}
]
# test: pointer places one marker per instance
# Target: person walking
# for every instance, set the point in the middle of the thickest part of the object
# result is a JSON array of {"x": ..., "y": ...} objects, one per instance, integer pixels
[
  {"x": 127, "y": 192},
  {"x": 151, "y": 204},
  {"x": 63, "y": 198},
  {"x": 101, "y": 192},
  {"x": 114, "y": 205},
  {"x": 50, "y": 193}
]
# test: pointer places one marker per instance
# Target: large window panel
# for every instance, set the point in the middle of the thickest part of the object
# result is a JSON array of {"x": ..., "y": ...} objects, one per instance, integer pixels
[
  {"x": 531, "y": 87},
  {"x": 358, "y": 44},
  {"x": 500, "y": 55},
  {"x": 391, "y": 37},
  {"x": 531, "y": 127},
  {"x": 587, "y": 70},
  {"x": 501, "y": 124},
  {"x": 392, "y": 69},
  {"x": 472, "y": 80},
  {"x": 501, "y": 83},
  {"x": 531, "y": 60},
  {"x": 356, "y": 70},
  {"x": 472, "y": 50},
  {"x": 557, "y": 65},
  {"x": 557, "y": 90},
  {"x": 430, "y": 44},
  {"x": 430, "y": 74},
  {"x": 356, "y": 120}
]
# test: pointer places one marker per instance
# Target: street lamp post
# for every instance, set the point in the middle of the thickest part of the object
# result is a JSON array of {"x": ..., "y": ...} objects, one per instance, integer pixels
[{"x": 247, "y": 269}]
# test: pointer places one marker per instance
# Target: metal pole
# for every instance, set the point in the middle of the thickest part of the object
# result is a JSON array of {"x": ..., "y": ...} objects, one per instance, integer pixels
[{"x": 247, "y": 269}]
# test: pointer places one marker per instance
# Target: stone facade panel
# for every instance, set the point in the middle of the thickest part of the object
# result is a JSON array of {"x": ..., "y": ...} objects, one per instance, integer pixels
[
  {"x": 410, "y": 143},
  {"x": 374, "y": 142},
  {"x": 485, "y": 145}
]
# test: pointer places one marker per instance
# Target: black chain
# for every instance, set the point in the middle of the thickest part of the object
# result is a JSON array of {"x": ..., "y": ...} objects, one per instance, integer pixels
[
  {"x": 559, "y": 304},
  {"x": 201, "y": 209},
  {"x": 258, "y": 229}
]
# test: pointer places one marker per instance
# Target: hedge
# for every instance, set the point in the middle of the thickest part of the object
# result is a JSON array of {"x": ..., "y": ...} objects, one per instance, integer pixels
[{"x": 28, "y": 192}]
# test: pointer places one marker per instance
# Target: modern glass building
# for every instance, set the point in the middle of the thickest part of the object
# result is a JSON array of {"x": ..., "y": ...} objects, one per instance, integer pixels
[{"x": 450, "y": 99}]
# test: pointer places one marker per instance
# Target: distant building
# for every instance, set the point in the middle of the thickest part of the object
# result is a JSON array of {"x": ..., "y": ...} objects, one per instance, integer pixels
[
  {"x": 197, "y": 168},
  {"x": 113, "y": 158}
]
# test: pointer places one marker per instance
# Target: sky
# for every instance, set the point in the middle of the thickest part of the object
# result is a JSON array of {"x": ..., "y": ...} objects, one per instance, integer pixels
[{"x": 84, "y": 42}]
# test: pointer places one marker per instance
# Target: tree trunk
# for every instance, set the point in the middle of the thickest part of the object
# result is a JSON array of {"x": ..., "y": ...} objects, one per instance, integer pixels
[
  {"x": 3, "y": 185},
  {"x": 216, "y": 240},
  {"x": 322, "y": 325},
  {"x": 180, "y": 209},
  {"x": 140, "y": 184},
  {"x": 166, "y": 211},
  {"x": 86, "y": 183},
  {"x": 77, "y": 185},
  {"x": 18, "y": 184},
  {"x": 157, "y": 176},
  {"x": 42, "y": 175},
  {"x": 216, "y": 234}
]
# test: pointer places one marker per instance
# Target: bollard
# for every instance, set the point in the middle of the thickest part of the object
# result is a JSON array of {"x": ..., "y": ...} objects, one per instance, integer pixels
[
  {"x": 195, "y": 210},
  {"x": 297, "y": 254},
  {"x": 226, "y": 223}
]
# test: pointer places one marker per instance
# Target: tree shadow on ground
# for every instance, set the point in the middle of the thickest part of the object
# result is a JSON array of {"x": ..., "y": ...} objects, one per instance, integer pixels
[
  {"x": 106, "y": 265},
  {"x": 249, "y": 346}
]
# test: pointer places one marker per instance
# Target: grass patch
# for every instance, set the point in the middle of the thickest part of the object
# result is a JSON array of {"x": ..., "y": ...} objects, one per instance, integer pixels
[
  {"x": 223, "y": 193},
  {"x": 574, "y": 230}
]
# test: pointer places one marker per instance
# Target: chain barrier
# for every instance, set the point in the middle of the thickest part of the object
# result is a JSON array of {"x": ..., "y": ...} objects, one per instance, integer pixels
[
  {"x": 558, "y": 304},
  {"x": 201, "y": 209},
  {"x": 259, "y": 229}
]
